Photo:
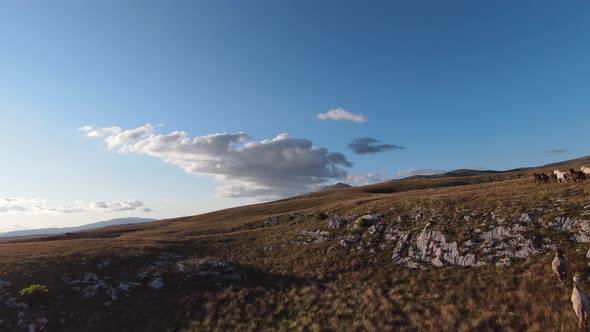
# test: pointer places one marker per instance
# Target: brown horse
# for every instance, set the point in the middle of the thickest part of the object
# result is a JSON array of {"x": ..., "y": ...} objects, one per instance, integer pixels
[{"x": 577, "y": 176}]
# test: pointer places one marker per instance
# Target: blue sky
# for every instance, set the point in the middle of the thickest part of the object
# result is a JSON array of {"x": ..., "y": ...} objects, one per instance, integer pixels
[{"x": 457, "y": 84}]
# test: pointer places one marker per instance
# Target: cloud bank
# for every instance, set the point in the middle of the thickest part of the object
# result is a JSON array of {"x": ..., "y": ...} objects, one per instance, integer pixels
[
  {"x": 364, "y": 145},
  {"x": 33, "y": 206},
  {"x": 556, "y": 151},
  {"x": 423, "y": 171},
  {"x": 267, "y": 169},
  {"x": 341, "y": 114},
  {"x": 362, "y": 180}
]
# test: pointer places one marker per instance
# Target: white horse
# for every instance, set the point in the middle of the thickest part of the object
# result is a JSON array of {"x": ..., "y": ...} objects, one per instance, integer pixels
[
  {"x": 580, "y": 303},
  {"x": 586, "y": 170},
  {"x": 561, "y": 176}
]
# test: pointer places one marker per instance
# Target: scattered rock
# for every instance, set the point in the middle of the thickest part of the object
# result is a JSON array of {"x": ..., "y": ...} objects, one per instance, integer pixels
[
  {"x": 349, "y": 240},
  {"x": 12, "y": 303},
  {"x": 335, "y": 222},
  {"x": 498, "y": 233},
  {"x": 525, "y": 250},
  {"x": 367, "y": 220},
  {"x": 156, "y": 284},
  {"x": 5, "y": 283},
  {"x": 127, "y": 286},
  {"x": 377, "y": 228},
  {"x": 526, "y": 218},
  {"x": 103, "y": 265}
]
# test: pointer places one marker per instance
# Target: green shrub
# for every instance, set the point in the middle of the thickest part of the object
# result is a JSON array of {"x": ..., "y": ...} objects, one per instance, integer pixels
[
  {"x": 34, "y": 293},
  {"x": 362, "y": 222}
]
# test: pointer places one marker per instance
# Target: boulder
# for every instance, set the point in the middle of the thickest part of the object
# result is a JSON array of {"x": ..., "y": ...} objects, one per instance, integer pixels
[{"x": 156, "y": 284}]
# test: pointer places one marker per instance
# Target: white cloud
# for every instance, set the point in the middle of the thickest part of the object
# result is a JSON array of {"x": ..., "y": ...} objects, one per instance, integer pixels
[
  {"x": 18, "y": 200},
  {"x": 32, "y": 205},
  {"x": 118, "y": 206},
  {"x": 269, "y": 168},
  {"x": 92, "y": 131},
  {"x": 341, "y": 114},
  {"x": 362, "y": 180},
  {"x": 413, "y": 171},
  {"x": 12, "y": 208}
]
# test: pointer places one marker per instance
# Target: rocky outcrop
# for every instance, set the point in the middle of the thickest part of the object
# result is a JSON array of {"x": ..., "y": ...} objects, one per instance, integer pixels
[
  {"x": 569, "y": 224},
  {"x": 350, "y": 240},
  {"x": 336, "y": 222},
  {"x": 432, "y": 248},
  {"x": 307, "y": 237},
  {"x": 376, "y": 229},
  {"x": 90, "y": 286},
  {"x": 365, "y": 221},
  {"x": 401, "y": 247},
  {"x": 215, "y": 268}
]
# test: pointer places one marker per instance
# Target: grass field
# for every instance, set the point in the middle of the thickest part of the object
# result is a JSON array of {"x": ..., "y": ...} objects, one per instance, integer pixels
[{"x": 288, "y": 282}]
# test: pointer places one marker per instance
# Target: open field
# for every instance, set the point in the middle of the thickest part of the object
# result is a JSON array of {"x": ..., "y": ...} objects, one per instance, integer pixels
[{"x": 311, "y": 263}]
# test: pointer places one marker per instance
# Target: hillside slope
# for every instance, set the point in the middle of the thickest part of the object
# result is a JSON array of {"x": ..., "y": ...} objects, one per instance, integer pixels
[
  {"x": 452, "y": 254},
  {"x": 62, "y": 230}
]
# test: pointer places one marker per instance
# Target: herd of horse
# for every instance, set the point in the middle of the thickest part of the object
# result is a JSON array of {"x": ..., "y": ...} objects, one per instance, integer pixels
[{"x": 563, "y": 177}]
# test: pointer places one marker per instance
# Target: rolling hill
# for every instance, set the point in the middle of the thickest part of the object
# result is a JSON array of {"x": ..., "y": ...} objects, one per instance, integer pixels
[
  {"x": 338, "y": 185},
  {"x": 63, "y": 230},
  {"x": 452, "y": 253}
]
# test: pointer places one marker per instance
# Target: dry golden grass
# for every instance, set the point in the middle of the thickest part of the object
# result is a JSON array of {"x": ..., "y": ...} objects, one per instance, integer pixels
[{"x": 321, "y": 287}]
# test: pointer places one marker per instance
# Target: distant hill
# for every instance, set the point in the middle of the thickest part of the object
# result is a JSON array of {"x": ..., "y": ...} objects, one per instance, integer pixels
[
  {"x": 472, "y": 172},
  {"x": 583, "y": 161},
  {"x": 338, "y": 185},
  {"x": 456, "y": 173},
  {"x": 100, "y": 224}
]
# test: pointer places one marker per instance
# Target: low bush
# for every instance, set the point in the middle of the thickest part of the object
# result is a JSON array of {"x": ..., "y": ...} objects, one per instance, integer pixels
[{"x": 34, "y": 293}]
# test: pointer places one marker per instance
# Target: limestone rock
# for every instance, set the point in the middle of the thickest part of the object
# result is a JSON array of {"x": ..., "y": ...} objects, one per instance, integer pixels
[
  {"x": 156, "y": 284},
  {"x": 432, "y": 247},
  {"x": 335, "y": 222},
  {"x": 401, "y": 247}
]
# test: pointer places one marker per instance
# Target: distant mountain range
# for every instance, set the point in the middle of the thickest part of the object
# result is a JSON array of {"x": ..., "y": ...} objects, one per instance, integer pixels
[{"x": 100, "y": 224}]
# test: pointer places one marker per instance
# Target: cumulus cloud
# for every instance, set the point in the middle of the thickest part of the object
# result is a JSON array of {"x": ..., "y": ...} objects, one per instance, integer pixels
[
  {"x": 341, "y": 114},
  {"x": 363, "y": 145},
  {"x": 556, "y": 151},
  {"x": 269, "y": 168},
  {"x": 424, "y": 171},
  {"x": 118, "y": 206}
]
